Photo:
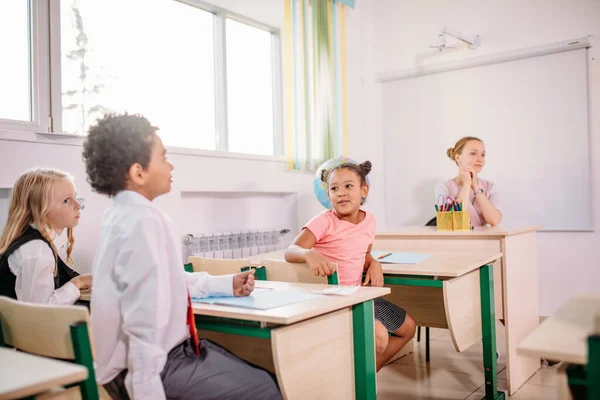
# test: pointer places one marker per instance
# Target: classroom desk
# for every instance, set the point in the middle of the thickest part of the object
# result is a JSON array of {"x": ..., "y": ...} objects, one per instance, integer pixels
[
  {"x": 448, "y": 290},
  {"x": 563, "y": 336},
  {"x": 571, "y": 334},
  {"x": 319, "y": 348},
  {"x": 455, "y": 292},
  {"x": 23, "y": 375},
  {"x": 515, "y": 281}
]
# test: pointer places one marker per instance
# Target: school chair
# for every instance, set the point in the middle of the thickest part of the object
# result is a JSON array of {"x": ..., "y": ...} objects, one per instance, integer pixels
[
  {"x": 188, "y": 267},
  {"x": 217, "y": 266},
  {"x": 51, "y": 331},
  {"x": 432, "y": 222},
  {"x": 282, "y": 271}
]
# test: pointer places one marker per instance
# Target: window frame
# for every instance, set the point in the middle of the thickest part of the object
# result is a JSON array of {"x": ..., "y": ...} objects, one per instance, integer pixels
[
  {"x": 53, "y": 81},
  {"x": 221, "y": 15},
  {"x": 39, "y": 56}
]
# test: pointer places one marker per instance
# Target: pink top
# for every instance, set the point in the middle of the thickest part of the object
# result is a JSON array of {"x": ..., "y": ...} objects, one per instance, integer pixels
[
  {"x": 450, "y": 188},
  {"x": 344, "y": 243}
]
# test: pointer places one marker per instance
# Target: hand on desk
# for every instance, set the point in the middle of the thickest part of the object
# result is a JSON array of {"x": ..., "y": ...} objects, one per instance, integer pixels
[
  {"x": 374, "y": 274},
  {"x": 243, "y": 283},
  {"x": 82, "y": 282}
]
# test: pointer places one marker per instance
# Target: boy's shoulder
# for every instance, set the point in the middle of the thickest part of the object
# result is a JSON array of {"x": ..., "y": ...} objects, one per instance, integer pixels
[{"x": 132, "y": 216}]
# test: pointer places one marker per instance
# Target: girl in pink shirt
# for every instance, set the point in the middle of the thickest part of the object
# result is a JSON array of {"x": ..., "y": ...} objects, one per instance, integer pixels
[
  {"x": 479, "y": 197},
  {"x": 344, "y": 235}
]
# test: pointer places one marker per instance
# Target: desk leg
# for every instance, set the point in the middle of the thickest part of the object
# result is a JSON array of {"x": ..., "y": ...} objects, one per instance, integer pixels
[
  {"x": 488, "y": 330},
  {"x": 365, "y": 375},
  {"x": 593, "y": 367},
  {"x": 521, "y": 308}
]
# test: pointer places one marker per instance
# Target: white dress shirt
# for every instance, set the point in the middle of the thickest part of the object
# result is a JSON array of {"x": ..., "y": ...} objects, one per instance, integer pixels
[
  {"x": 33, "y": 265},
  {"x": 139, "y": 299}
]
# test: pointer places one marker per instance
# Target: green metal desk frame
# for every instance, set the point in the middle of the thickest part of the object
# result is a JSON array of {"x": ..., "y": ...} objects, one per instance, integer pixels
[
  {"x": 584, "y": 380},
  {"x": 365, "y": 376}
]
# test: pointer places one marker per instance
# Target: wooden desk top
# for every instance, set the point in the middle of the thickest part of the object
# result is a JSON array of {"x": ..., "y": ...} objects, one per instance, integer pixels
[
  {"x": 23, "y": 374},
  {"x": 443, "y": 264},
  {"x": 563, "y": 336},
  {"x": 294, "y": 312},
  {"x": 439, "y": 264},
  {"x": 411, "y": 231}
]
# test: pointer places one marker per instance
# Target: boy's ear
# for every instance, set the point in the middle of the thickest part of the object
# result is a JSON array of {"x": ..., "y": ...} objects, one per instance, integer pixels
[{"x": 136, "y": 174}]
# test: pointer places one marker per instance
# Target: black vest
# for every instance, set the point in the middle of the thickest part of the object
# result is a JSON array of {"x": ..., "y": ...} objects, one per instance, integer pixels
[{"x": 8, "y": 279}]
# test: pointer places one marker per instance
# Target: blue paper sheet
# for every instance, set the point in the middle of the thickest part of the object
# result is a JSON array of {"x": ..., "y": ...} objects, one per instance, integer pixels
[
  {"x": 400, "y": 258},
  {"x": 262, "y": 301}
]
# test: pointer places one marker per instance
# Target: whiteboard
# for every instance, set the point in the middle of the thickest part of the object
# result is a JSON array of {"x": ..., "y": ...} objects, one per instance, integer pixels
[{"x": 532, "y": 115}]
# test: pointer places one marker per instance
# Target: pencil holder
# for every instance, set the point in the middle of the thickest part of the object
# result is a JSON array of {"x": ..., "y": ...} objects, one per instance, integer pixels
[
  {"x": 444, "y": 221},
  {"x": 461, "y": 221}
]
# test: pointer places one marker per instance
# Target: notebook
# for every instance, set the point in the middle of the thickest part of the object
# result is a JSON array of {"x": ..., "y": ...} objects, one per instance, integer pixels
[
  {"x": 264, "y": 300},
  {"x": 338, "y": 290},
  {"x": 400, "y": 258}
]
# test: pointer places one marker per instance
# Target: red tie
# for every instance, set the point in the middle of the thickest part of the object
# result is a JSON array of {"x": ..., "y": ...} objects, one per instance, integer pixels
[{"x": 192, "y": 326}]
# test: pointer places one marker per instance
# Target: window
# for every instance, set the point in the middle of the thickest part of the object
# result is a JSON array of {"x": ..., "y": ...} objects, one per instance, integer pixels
[
  {"x": 153, "y": 57},
  {"x": 15, "y": 44},
  {"x": 207, "y": 78},
  {"x": 249, "y": 89}
]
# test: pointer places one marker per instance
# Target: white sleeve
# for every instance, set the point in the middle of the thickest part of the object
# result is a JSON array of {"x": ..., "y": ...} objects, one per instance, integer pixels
[
  {"x": 33, "y": 265},
  {"x": 201, "y": 284},
  {"x": 144, "y": 307}
]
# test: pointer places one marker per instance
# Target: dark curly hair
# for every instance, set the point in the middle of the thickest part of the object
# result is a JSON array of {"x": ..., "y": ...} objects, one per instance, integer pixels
[
  {"x": 112, "y": 146},
  {"x": 362, "y": 170}
]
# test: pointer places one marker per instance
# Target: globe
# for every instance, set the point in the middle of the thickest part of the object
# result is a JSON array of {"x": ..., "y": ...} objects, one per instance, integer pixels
[{"x": 320, "y": 187}]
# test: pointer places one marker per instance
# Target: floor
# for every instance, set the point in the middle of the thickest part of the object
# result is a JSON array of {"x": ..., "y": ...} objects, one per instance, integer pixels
[{"x": 453, "y": 375}]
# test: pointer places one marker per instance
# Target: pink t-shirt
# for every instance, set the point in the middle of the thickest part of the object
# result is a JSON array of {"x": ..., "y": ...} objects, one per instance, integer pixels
[
  {"x": 344, "y": 243},
  {"x": 450, "y": 188}
]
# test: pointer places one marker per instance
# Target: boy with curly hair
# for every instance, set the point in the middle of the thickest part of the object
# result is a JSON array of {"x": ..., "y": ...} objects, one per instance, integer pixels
[{"x": 144, "y": 332}]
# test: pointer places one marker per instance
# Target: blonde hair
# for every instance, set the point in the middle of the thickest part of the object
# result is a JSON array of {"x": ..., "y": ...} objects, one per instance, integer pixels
[
  {"x": 30, "y": 203},
  {"x": 459, "y": 146}
]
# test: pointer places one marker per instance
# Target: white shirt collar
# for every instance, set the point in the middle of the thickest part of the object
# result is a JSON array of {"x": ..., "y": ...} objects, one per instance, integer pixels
[
  {"x": 131, "y": 197},
  {"x": 58, "y": 240}
]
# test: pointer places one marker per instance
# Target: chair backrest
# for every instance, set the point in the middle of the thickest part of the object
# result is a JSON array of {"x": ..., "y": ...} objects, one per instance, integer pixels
[
  {"x": 51, "y": 331},
  {"x": 216, "y": 266},
  {"x": 41, "y": 329},
  {"x": 282, "y": 271}
]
